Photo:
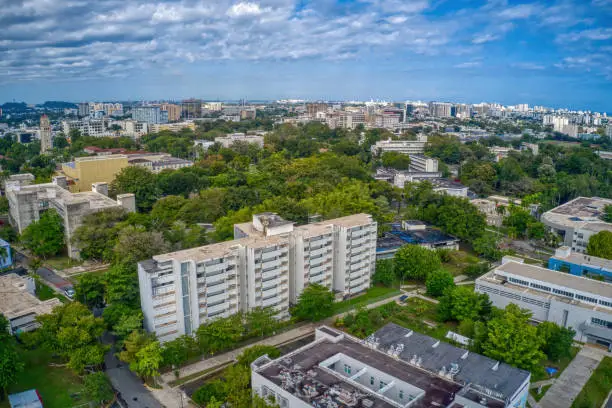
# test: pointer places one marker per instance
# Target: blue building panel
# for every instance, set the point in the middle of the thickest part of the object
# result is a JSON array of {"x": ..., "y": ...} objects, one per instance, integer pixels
[
  {"x": 7, "y": 259},
  {"x": 580, "y": 269}
]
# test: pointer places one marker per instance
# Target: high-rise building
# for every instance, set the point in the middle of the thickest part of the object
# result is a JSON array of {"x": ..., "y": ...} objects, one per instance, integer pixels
[
  {"x": 149, "y": 114},
  {"x": 440, "y": 109},
  {"x": 83, "y": 109},
  {"x": 191, "y": 108},
  {"x": 267, "y": 265},
  {"x": 46, "y": 143},
  {"x": 313, "y": 108},
  {"x": 174, "y": 111}
]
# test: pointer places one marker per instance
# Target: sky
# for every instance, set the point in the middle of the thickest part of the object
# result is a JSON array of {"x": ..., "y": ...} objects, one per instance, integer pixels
[{"x": 555, "y": 53}]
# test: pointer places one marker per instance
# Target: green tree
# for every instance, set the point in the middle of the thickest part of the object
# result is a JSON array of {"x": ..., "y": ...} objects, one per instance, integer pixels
[
  {"x": 438, "y": 282},
  {"x": 600, "y": 245},
  {"x": 90, "y": 290},
  {"x": 148, "y": 360},
  {"x": 136, "y": 341},
  {"x": 139, "y": 181},
  {"x": 511, "y": 339},
  {"x": 460, "y": 303},
  {"x": 97, "y": 235},
  {"x": 414, "y": 262},
  {"x": 315, "y": 303},
  {"x": 210, "y": 393},
  {"x": 487, "y": 246},
  {"x": 128, "y": 323},
  {"x": 396, "y": 160},
  {"x": 122, "y": 285},
  {"x": 136, "y": 244},
  {"x": 45, "y": 237},
  {"x": 253, "y": 353},
  {"x": 385, "y": 273},
  {"x": 607, "y": 215},
  {"x": 10, "y": 360},
  {"x": 176, "y": 352},
  {"x": 72, "y": 332},
  {"x": 165, "y": 211},
  {"x": 260, "y": 322},
  {"x": 220, "y": 334},
  {"x": 557, "y": 340},
  {"x": 98, "y": 388}
]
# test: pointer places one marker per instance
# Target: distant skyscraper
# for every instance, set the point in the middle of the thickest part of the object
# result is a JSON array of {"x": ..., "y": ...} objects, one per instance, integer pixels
[
  {"x": 191, "y": 108},
  {"x": 149, "y": 114},
  {"x": 83, "y": 109},
  {"x": 440, "y": 109},
  {"x": 45, "y": 134},
  {"x": 174, "y": 111}
]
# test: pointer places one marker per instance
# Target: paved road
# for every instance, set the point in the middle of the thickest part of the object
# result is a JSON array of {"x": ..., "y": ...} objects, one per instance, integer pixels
[
  {"x": 133, "y": 392},
  {"x": 569, "y": 384},
  {"x": 55, "y": 281}
]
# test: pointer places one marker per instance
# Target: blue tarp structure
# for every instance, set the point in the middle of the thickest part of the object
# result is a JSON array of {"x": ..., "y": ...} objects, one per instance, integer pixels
[{"x": 551, "y": 371}]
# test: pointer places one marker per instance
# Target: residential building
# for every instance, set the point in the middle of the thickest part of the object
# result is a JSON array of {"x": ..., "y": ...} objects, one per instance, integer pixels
[
  {"x": 84, "y": 171},
  {"x": 267, "y": 265},
  {"x": 248, "y": 114},
  {"x": 149, "y": 114},
  {"x": 577, "y": 220},
  {"x": 581, "y": 303},
  {"x": 400, "y": 146},
  {"x": 313, "y": 108},
  {"x": 214, "y": 106},
  {"x": 229, "y": 140},
  {"x": 135, "y": 129},
  {"x": 19, "y": 304},
  {"x": 46, "y": 142},
  {"x": 400, "y": 177},
  {"x": 28, "y": 201},
  {"x": 83, "y": 109},
  {"x": 580, "y": 264},
  {"x": 159, "y": 163},
  {"x": 88, "y": 127},
  {"x": 501, "y": 152},
  {"x": 490, "y": 207},
  {"x": 191, "y": 108},
  {"x": 413, "y": 232},
  {"x": 441, "y": 109},
  {"x": 174, "y": 111},
  {"x": 421, "y": 163},
  {"x": 173, "y": 127},
  {"x": 350, "y": 120},
  {"x": 6, "y": 260},
  {"x": 535, "y": 149},
  {"x": 609, "y": 130},
  {"x": 394, "y": 367},
  {"x": 203, "y": 144}
]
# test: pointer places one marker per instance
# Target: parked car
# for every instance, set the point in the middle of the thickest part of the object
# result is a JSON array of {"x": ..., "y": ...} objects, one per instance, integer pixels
[{"x": 69, "y": 292}]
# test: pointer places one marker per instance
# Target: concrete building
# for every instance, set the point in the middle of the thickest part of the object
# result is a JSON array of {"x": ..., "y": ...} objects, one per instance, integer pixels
[
  {"x": 421, "y": 163},
  {"x": 489, "y": 207},
  {"x": 83, "y": 109},
  {"x": 229, "y": 140},
  {"x": 46, "y": 142},
  {"x": 88, "y": 127},
  {"x": 350, "y": 120},
  {"x": 313, "y": 108},
  {"x": 577, "y": 220},
  {"x": 149, "y": 114},
  {"x": 135, "y": 129},
  {"x": 191, "y": 108},
  {"x": 413, "y": 232},
  {"x": 28, "y": 201},
  {"x": 393, "y": 368},
  {"x": 174, "y": 111},
  {"x": 19, "y": 304},
  {"x": 159, "y": 163},
  {"x": 84, "y": 171},
  {"x": 580, "y": 264},
  {"x": 581, "y": 303},
  {"x": 441, "y": 109},
  {"x": 501, "y": 152},
  {"x": 173, "y": 127},
  {"x": 400, "y": 146},
  {"x": 267, "y": 265}
]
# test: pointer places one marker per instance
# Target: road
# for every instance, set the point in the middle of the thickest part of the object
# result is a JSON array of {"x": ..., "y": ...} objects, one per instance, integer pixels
[{"x": 55, "y": 282}]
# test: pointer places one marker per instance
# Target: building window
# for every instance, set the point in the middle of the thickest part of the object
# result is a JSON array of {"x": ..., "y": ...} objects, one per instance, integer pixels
[
  {"x": 601, "y": 322},
  {"x": 401, "y": 394},
  {"x": 371, "y": 380},
  {"x": 347, "y": 369},
  {"x": 381, "y": 385}
]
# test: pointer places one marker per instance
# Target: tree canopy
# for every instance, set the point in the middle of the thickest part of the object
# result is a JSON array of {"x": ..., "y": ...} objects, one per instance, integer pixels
[
  {"x": 315, "y": 303},
  {"x": 45, "y": 237},
  {"x": 600, "y": 245}
]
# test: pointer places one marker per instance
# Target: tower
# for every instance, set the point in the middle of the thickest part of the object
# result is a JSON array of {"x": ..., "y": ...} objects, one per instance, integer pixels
[{"x": 45, "y": 134}]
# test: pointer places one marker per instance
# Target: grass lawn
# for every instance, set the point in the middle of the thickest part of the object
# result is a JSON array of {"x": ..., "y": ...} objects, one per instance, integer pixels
[
  {"x": 44, "y": 292},
  {"x": 75, "y": 278},
  {"x": 597, "y": 388},
  {"x": 534, "y": 392},
  {"x": 374, "y": 294},
  {"x": 459, "y": 260},
  {"x": 62, "y": 262},
  {"x": 55, "y": 384},
  {"x": 559, "y": 365}
]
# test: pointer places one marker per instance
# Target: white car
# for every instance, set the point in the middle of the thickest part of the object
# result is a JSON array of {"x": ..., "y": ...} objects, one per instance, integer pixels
[{"x": 69, "y": 292}]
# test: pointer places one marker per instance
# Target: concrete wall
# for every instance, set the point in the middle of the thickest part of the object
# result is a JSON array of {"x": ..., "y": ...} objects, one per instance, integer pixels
[{"x": 87, "y": 172}]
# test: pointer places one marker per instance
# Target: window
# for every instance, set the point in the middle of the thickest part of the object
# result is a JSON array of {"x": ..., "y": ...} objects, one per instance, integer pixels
[
  {"x": 381, "y": 385},
  {"x": 347, "y": 369},
  {"x": 563, "y": 293},
  {"x": 401, "y": 394},
  {"x": 371, "y": 380},
  {"x": 601, "y": 322}
]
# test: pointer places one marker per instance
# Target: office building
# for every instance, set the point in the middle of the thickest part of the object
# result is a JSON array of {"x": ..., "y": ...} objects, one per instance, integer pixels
[
  {"x": 581, "y": 303},
  {"x": 393, "y": 368},
  {"x": 463, "y": 111},
  {"x": 313, "y": 108},
  {"x": 421, "y": 163},
  {"x": 577, "y": 220},
  {"x": 350, "y": 120},
  {"x": 191, "y": 108},
  {"x": 19, "y": 304},
  {"x": 174, "y": 111},
  {"x": 28, "y": 201},
  {"x": 229, "y": 140},
  {"x": 149, "y": 114},
  {"x": 46, "y": 143},
  {"x": 441, "y": 109},
  {"x": 268, "y": 264},
  {"x": 84, "y": 171},
  {"x": 580, "y": 264},
  {"x": 159, "y": 163},
  {"x": 83, "y": 109},
  {"x": 400, "y": 146}
]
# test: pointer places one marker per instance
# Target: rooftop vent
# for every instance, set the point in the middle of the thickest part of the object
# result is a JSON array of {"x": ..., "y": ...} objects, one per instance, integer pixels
[{"x": 496, "y": 366}]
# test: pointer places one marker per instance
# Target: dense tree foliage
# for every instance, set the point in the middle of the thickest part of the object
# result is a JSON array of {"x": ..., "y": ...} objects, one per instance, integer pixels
[
  {"x": 98, "y": 388},
  {"x": 600, "y": 245},
  {"x": 45, "y": 237},
  {"x": 557, "y": 340},
  {"x": 315, "y": 303},
  {"x": 413, "y": 262},
  {"x": 385, "y": 273},
  {"x": 10, "y": 360},
  {"x": 138, "y": 181},
  {"x": 438, "y": 282}
]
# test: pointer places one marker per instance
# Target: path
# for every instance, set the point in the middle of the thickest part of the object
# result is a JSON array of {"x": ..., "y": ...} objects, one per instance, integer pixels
[{"x": 569, "y": 384}]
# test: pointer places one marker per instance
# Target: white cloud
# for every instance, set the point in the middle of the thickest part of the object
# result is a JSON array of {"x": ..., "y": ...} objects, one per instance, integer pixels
[
  {"x": 244, "y": 9},
  {"x": 468, "y": 64},
  {"x": 529, "y": 66},
  {"x": 485, "y": 38}
]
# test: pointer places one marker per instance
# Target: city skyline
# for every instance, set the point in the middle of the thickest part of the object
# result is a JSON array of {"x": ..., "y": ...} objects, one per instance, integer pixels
[{"x": 551, "y": 53}]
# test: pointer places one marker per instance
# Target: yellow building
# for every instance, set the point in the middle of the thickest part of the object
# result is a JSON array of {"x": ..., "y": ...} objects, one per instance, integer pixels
[{"x": 85, "y": 171}]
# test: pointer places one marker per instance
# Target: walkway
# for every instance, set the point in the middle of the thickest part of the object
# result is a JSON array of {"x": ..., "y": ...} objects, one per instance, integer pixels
[{"x": 564, "y": 391}]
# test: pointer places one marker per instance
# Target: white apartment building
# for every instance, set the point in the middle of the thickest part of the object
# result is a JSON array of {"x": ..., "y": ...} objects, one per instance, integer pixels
[
  {"x": 88, "y": 127},
  {"x": 229, "y": 140},
  {"x": 400, "y": 146},
  {"x": 440, "y": 109},
  {"x": 350, "y": 120},
  {"x": 421, "y": 163},
  {"x": 135, "y": 129},
  {"x": 268, "y": 264}
]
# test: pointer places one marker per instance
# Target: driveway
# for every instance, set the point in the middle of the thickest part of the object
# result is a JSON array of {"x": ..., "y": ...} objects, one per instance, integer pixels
[
  {"x": 133, "y": 393},
  {"x": 53, "y": 278}
]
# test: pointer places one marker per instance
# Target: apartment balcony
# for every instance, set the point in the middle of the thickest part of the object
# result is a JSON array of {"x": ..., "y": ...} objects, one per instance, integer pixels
[
  {"x": 166, "y": 325},
  {"x": 269, "y": 275},
  {"x": 317, "y": 278},
  {"x": 319, "y": 251},
  {"x": 216, "y": 298},
  {"x": 283, "y": 288},
  {"x": 216, "y": 268},
  {"x": 162, "y": 279},
  {"x": 272, "y": 264},
  {"x": 211, "y": 310},
  {"x": 266, "y": 256},
  {"x": 163, "y": 291},
  {"x": 216, "y": 280},
  {"x": 168, "y": 318},
  {"x": 201, "y": 280},
  {"x": 359, "y": 241},
  {"x": 270, "y": 285}
]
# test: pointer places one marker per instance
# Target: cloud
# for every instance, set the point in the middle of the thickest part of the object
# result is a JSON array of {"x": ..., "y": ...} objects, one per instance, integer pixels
[
  {"x": 468, "y": 64},
  {"x": 485, "y": 38},
  {"x": 532, "y": 66},
  {"x": 596, "y": 34}
]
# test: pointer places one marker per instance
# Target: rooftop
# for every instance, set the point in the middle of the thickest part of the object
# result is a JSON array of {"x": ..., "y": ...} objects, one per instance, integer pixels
[
  {"x": 52, "y": 191},
  {"x": 582, "y": 259},
  {"x": 541, "y": 274},
  {"x": 580, "y": 210},
  {"x": 398, "y": 237},
  {"x": 16, "y": 299}
]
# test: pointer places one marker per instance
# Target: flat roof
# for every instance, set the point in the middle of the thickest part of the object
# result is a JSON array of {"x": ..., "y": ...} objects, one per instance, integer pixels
[
  {"x": 582, "y": 259},
  {"x": 558, "y": 278},
  {"x": 16, "y": 301},
  {"x": 579, "y": 211}
]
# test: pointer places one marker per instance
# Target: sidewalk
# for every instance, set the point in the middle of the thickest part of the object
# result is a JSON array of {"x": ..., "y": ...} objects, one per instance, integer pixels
[{"x": 564, "y": 391}]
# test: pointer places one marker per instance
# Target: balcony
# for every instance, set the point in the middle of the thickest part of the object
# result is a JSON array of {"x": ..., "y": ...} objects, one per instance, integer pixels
[
  {"x": 215, "y": 268},
  {"x": 162, "y": 320},
  {"x": 270, "y": 265},
  {"x": 319, "y": 251},
  {"x": 212, "y": 310},
  {"x": 216, "y": 298},
  {"x": 266, "y": 256},
  {"x": 162, "y": 279},
  {"x": 216, "y": 280},
  {"x": 317, "y": 278},
  {"x": 269, "y": 275},
  {"x": 163, "y": 291}
]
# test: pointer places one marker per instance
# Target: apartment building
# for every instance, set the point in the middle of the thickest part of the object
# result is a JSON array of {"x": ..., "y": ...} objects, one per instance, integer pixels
[
  {"x": 421, "y": 163},
  {"x": 27, "y": 202},
  {"x": 149, "y": 114},
  {"x": 88, "y": 127},
  {"x": 441, "y": 109},
  {"x": 268, "y": 264},
  {"x": 395, "y": 367},
  {"x": 84, "y": 171},
  {"x": 400, "y": 146},
  {"x": 230, "y": 139},
  {"x": 174, "y": 111},
  {"x": 577, "y": 220},
  {"x": 578, "y": 302},
  {"x": 173, "y": 127}
]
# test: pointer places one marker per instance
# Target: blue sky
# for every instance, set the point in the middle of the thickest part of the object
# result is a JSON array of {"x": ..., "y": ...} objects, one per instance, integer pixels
[{"x": 556, "y": 53}]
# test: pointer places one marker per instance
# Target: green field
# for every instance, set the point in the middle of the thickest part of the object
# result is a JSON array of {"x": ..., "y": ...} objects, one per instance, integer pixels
[
  {"x": 374, "y": 294},
  {"x": 44, "y": 292},
  {"x": 597, "y": 388},
  {"x": 62, "y": 262},
  {"x": 54, "y": 384}
]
